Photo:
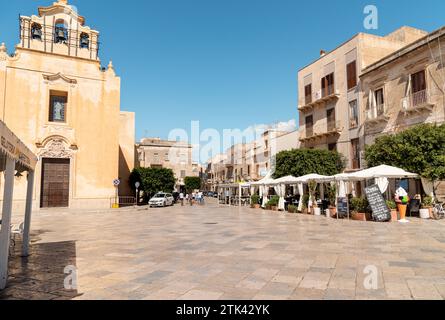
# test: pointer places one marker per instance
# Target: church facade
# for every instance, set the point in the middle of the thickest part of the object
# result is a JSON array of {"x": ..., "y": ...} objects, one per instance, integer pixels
[{"x": 66, "y": 108}]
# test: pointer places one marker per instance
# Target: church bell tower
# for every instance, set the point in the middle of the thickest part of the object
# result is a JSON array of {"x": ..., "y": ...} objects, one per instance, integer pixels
[{"x": 59, "y": 29}]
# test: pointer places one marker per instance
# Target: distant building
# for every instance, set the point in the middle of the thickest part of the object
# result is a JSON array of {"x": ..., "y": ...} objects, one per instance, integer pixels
[
  {"x": 249, "y": 161},
  {"x": 178, "y": 156},
  {"x": 66, "y": 109}
]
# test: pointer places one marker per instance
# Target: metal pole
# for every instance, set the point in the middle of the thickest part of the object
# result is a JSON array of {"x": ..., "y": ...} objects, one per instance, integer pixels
[
  {"x": 28, "y": 213},
  {"x": 5, "y": 233}
]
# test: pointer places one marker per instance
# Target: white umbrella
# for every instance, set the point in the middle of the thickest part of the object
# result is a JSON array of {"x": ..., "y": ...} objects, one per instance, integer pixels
[
  {"x": 382, "y": 171},
  {"x": 287, "y": 180},
  {"x": 312, "y": 177}
]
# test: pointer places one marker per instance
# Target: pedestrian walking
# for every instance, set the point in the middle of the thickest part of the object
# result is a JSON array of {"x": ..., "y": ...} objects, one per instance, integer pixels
[{"x": 181, "y": 197}]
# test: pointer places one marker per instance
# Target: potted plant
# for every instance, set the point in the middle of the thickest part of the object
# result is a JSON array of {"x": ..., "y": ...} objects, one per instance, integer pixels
[
  {"x": 255, "y": 201},
  {"x": 359, "y": 208},
  {"x": 427, "y": 207},
  {"x": 305, "y": 200},
  {"x": 392, "y": 205},
  {"x": 273, "y": 203},
  {"x": 332, "y": 196},
  {"x": 312, "y": 192},
  {"x": 292, "y": 209}
]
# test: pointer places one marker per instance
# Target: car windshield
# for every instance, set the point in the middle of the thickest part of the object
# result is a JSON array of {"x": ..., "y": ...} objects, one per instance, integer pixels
[{"x": 160, "y": 195}]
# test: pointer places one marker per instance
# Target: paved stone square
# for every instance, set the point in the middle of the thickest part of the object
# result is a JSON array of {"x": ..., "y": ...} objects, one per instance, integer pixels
[{"x": 213, "y": 252}]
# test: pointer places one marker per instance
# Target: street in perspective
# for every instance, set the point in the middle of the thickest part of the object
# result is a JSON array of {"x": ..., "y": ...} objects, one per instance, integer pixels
[{"x": 222, "y": 151}]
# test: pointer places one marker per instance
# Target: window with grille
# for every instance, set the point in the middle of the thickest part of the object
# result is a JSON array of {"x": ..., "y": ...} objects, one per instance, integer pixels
[{"x": 58, "y": 106}]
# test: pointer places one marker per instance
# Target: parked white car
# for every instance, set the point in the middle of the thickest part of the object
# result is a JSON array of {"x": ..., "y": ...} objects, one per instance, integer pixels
[{"x": 162, "y": 200}]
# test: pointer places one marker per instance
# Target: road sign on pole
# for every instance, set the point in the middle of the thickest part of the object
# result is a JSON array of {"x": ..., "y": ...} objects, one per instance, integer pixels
[{"x": 116, "y": 183}]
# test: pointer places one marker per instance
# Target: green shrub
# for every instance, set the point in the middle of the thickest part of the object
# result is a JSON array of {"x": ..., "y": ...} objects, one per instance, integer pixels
[
  {"x": 332, "y": 194},
  {"x": 392, "y": 205},
  {"x": 274, "y": 200},
  {"x": 305, "y": 200},
  {"x": 427, "y": 202},
  {"x": 299, "y": 162},
  {"x": 292, "y": 209},
  {"x": 420, "y": 149},
  {"x": 255, "y": 199},
  {"x": 359, "y": 205}
]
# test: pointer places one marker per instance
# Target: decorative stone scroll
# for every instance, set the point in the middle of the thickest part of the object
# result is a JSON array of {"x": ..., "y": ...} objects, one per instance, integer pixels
[{"x": 56, "y": 148}]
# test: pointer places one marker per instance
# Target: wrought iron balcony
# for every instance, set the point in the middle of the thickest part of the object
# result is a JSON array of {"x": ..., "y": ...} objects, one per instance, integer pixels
[
  {"x": 417, "y": 102},
  {"x": 320, "y": 98},
  {"x": 322, "y": 130}
]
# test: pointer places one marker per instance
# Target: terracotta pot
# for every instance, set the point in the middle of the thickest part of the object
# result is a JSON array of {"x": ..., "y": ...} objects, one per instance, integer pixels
[
  {"x": 274, "y": 208},
  {"x": 256, "y": 206},
  {"x": 394, "y": 215},
  {"x": 333, "y": 211},
  {"x": 358, "y": 216}
]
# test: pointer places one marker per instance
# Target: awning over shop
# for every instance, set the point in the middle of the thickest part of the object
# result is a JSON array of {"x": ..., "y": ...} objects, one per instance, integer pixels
[
  {"x": 14, "y": 156},
  {"x": 12, "y": 147}
]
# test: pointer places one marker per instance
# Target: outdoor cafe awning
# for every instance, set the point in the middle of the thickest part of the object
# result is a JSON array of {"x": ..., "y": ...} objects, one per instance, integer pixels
[
  {"x": 12, "y": 147},
  {"x": 14, "y": 156},
  {"x": 382, "y": 171}
]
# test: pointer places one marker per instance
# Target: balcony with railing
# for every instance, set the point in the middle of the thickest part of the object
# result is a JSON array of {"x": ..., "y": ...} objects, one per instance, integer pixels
[
  {"x": 377, "y": 114},
  {"x": 322, "y": 130},
  {"x": 417, "y": 102},
  {"x": 320, "y": 98}
]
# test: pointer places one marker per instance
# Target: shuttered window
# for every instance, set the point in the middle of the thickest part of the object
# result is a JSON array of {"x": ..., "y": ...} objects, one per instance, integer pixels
[
  {"x": 308, "y": 93},
  {"x": 351, "y": 71},
  {"x": 418, "y": 81}
]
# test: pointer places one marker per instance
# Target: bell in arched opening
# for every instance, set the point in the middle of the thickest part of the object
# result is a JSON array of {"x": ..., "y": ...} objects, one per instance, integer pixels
[
  {"x": 60, "y": 32},
  {"x": 84, "y": 41},
  {"x": 36, "y": 31}
]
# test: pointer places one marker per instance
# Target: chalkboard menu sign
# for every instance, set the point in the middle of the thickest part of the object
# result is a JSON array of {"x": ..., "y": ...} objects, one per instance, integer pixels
[
  {"x": 380, "y": 211},
  {"x": 342, "y": 207}
]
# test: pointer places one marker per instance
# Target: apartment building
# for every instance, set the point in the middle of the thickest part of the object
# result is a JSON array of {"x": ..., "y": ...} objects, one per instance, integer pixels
[
  {"x": 177, "y": 156},
  {"x": 404, "y": 89},
  {"x": 330, "y": 95}
]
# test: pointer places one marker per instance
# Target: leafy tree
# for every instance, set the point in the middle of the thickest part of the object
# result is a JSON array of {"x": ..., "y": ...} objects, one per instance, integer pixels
[
  {"x": 300, "y": 162},
  {"x": 420, "y": 150},
  {"x": 153, "y": 180},
  {"x": 192, "y": 183}
]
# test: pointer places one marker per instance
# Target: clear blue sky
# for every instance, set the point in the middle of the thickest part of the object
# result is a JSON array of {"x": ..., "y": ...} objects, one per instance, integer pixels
[{"x": 227, "y": 63}]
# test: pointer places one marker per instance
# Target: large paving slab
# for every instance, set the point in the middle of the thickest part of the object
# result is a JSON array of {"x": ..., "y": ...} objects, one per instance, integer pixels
[{"x": 217, "y": 252}]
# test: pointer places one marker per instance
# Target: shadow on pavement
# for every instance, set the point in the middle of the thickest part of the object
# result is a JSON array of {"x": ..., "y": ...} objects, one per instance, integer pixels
[{"x": 41, "y": 275}]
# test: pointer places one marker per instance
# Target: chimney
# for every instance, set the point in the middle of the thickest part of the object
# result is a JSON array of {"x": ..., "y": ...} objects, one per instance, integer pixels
[{"x": 322, "y": 53}]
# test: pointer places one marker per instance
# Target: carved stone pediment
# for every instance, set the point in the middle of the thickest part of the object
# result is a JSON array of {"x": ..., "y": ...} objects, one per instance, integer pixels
[
  {"x": 56, "y": 148},
  {"x": 59, "y": 76}
]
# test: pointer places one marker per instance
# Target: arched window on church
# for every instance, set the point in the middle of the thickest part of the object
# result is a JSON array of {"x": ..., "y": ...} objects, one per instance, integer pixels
[
  {"x": 36, "y": 31},
  {"x": 84, "y": 40},
  {"x": 60, "y": 32}
]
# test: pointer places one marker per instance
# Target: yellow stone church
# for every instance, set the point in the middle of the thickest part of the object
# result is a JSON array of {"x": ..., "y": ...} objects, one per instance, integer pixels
[{"x": 65, "y": 107}]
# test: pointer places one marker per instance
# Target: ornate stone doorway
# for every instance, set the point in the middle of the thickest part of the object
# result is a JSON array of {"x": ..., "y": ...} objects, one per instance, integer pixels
[
  {"x": 56, "y": 163},
  {"x": 55, "y": 183}
]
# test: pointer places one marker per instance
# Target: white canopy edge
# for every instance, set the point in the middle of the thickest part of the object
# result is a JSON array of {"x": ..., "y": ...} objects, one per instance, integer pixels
[{"x": 11, "y": 146}]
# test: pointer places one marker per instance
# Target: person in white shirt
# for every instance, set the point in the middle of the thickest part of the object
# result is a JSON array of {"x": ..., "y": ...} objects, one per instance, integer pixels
[{"x": 181, "y": 197}]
